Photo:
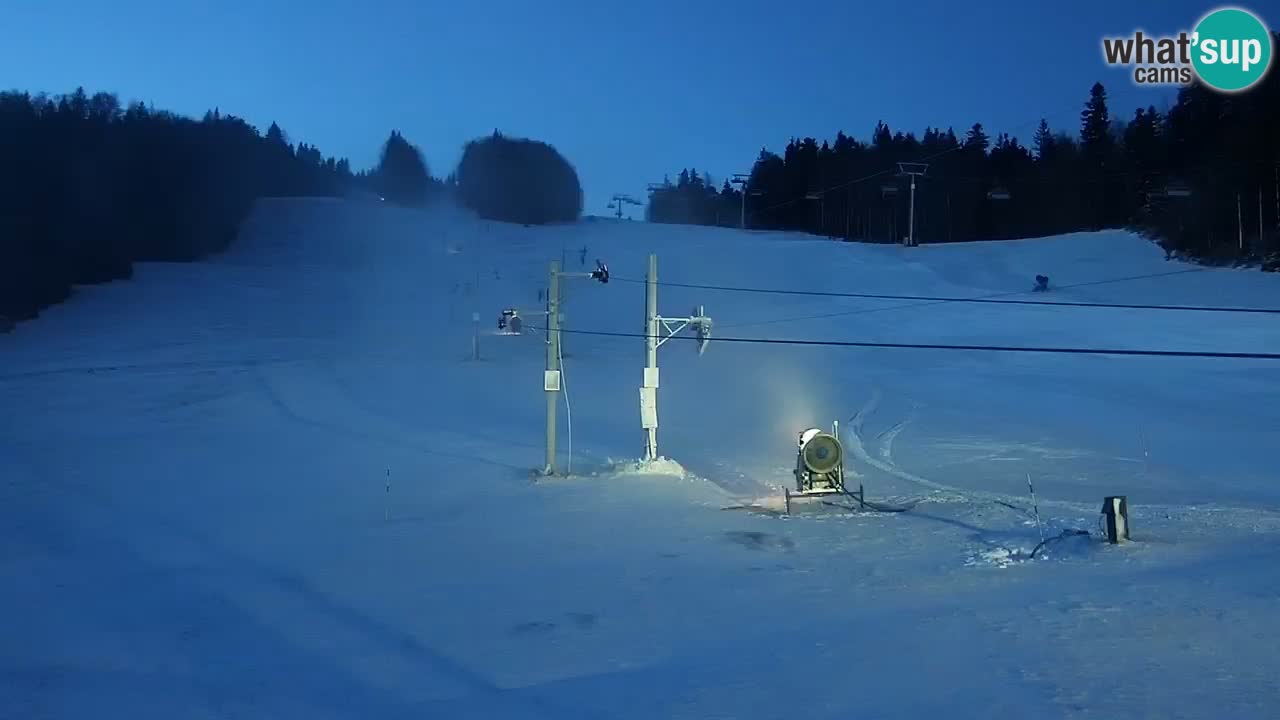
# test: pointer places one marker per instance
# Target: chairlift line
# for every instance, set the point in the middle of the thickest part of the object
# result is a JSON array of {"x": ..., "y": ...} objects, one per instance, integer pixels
[
  {"x": 981, "y": 300},
  {"x": 942, "y": 346}
]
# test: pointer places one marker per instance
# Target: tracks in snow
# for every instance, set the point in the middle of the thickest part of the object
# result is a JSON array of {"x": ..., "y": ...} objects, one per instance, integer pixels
[
  {"x": 887, "y": 436},
  {"x": 855, "y": 442},
  {"x": 886, "y": 464}
]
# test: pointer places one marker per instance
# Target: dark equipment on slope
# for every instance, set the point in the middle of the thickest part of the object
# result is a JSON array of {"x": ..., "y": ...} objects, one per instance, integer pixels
[
  {"x": 601, "y": 272},
  {"x": 509, "y": 322},
  {"x": 1042, "y": 283},
  {"x": 1115, "y": 511}
]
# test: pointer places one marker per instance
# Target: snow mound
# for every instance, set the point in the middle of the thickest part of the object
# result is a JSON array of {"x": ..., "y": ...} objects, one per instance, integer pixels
[
  {"x": 661, "y": 467},
  {"x": 997, "y": 557}
]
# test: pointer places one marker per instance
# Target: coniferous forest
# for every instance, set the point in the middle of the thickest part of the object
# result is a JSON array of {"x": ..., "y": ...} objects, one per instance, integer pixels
[
  {"x": 88, "y": 187},
  {"x": 1202, "y": 180}
]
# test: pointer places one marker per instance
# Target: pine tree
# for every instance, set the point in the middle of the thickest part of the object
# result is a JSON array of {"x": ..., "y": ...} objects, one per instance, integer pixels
[
  {"x": 882, "y": 139},
  {"x": 276, "y": 137},
  {"x": 976, "y": 139},
  {"x": 402, "y": 175},
  {"x": 1095, "y": 125},
  {"x": 1043, "y": 141}
]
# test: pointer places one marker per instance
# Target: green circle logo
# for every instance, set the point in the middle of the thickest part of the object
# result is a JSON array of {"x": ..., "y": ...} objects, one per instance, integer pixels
[{"x": 1232, "y": 49}]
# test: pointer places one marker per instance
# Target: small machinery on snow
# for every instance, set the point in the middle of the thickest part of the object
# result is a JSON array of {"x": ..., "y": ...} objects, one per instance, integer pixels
[
  {"x": 820, "y": 467},
  {"x": 509, "y": 322}
]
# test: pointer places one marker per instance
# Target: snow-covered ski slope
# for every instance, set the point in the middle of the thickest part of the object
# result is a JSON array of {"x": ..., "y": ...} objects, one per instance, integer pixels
[{"x": 272, "y": 485}]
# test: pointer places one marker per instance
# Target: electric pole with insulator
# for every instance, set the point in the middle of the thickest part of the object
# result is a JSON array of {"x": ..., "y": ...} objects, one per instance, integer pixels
[{"x": 914, "y": 170}]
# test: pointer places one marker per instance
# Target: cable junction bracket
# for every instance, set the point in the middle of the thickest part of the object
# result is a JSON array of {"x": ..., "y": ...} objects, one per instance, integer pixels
[{"x": 698, "y": 321}]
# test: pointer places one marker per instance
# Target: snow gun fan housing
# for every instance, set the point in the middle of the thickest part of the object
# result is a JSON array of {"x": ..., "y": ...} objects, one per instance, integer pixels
[{"x": 819, "y": 463}]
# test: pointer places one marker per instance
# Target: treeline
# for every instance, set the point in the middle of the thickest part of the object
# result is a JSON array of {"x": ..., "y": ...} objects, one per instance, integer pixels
[
  {"x": 89, "y": 187},
  {"x": 514, "y": 180},
  {"x": 1177, "y": 177},
  {"x": 693, "y": 199}
]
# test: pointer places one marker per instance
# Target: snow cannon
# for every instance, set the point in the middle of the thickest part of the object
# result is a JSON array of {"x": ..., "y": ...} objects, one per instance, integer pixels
[
  {"x": 819, "y": 463},
  {"x": 509, "y": 322},
  {"x": 819, "y": 466}
]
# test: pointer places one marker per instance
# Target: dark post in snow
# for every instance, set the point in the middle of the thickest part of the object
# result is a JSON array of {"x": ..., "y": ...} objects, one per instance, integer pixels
[
  {"x": 1239, "y": 223},
  {"x": 475, "y": 336},
  {"x": 1115, "y": 509},
  {"x": 740, "y": 180}
]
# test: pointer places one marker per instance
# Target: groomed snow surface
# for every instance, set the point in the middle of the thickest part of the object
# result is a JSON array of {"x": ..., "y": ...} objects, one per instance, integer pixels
[{"x": 273, "y": 485}]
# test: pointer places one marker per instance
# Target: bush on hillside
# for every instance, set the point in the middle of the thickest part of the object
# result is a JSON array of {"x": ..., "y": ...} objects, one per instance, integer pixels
[{"x": 518, "y": 180}]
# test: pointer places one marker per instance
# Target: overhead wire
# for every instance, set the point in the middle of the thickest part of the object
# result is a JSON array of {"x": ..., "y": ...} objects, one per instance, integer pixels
[
  {"x": 993, "y": 299},
  {"x": 953, "y": 347},
  {"x": 867, "y": 311},
  {"x": 1104, "y": 177}
]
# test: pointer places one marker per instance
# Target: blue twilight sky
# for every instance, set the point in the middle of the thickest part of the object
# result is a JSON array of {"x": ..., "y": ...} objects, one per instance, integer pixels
[{"x": 628, "y": 91}]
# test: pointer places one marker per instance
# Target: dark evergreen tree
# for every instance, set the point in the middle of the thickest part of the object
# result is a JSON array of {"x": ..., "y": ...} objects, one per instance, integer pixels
[
  {"x": 1095, "y": 125},
  {"x": 402, "y": 176},
  {"x": 1043, "y": 141},
  {"x": 976, "y": 139},
  {"x": 276, "y": 138},
  {"x": 1103, "y": 171}
]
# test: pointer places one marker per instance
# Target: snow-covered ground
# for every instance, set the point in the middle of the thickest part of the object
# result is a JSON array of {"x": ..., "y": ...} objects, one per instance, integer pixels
[{"x": 273, "y": 485}]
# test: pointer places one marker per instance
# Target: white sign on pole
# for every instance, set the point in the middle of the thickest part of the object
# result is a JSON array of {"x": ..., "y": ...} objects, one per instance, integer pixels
[
  {"x": 651, "y": 377},
  {"x": 551, "y": 380},
  {"x": 648, "y": 408}
]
